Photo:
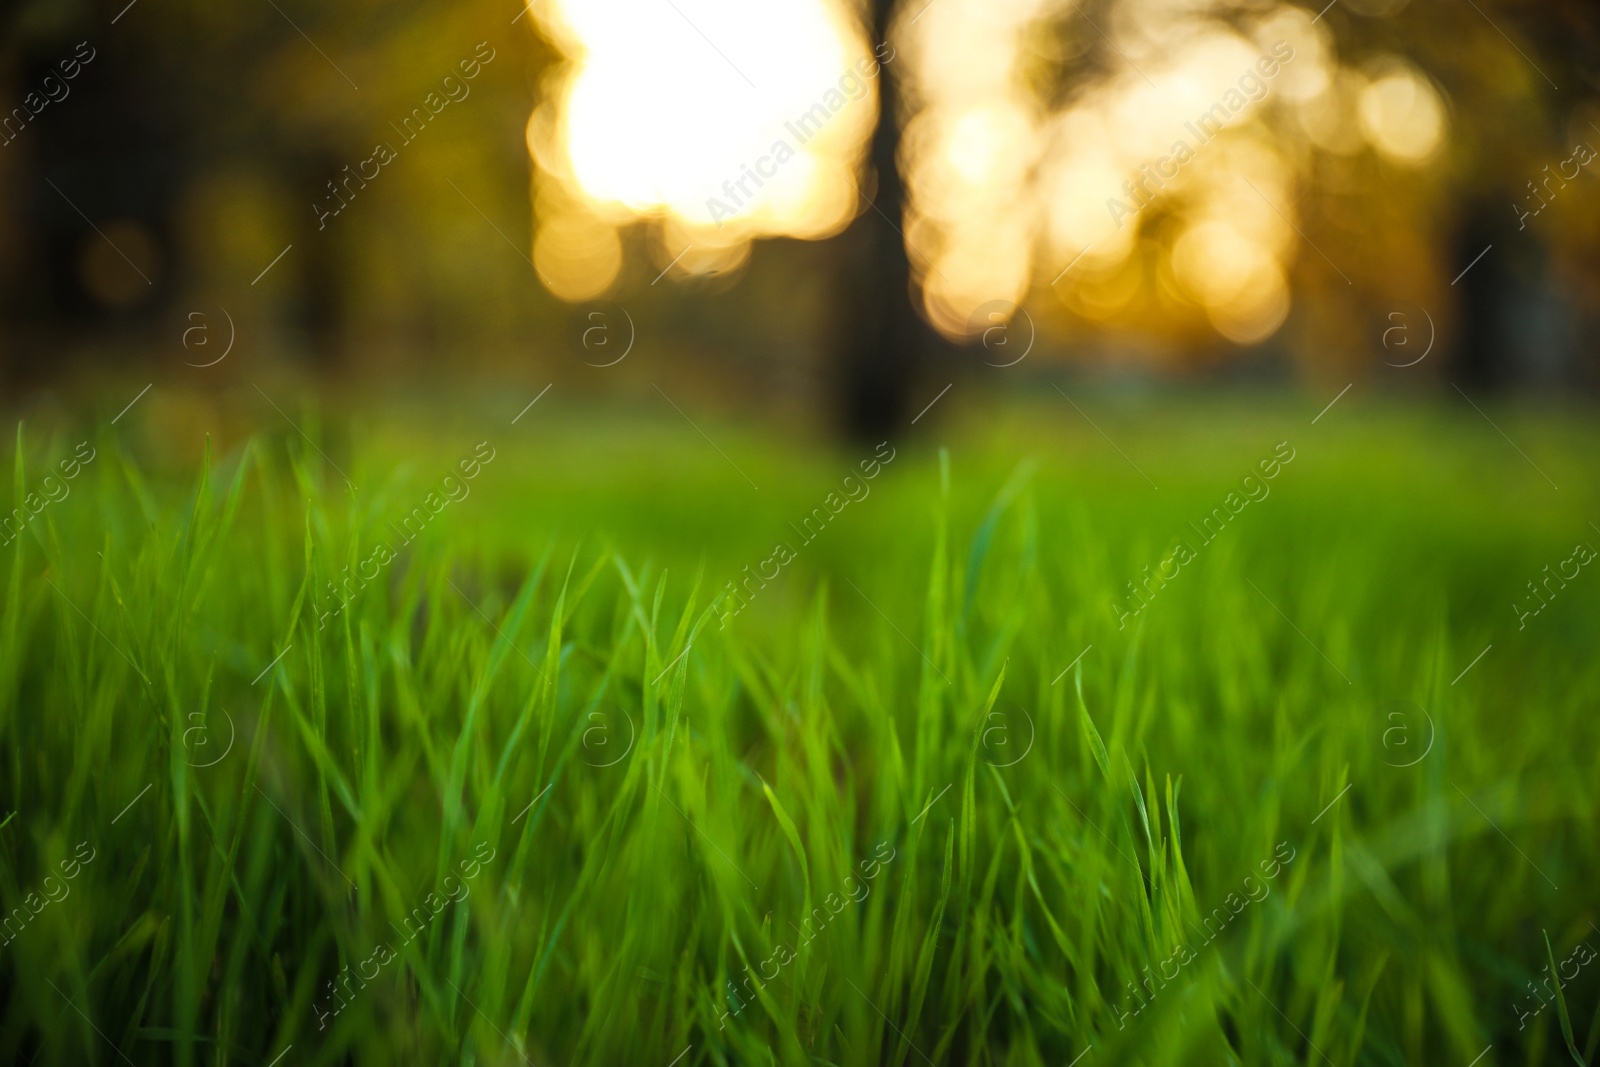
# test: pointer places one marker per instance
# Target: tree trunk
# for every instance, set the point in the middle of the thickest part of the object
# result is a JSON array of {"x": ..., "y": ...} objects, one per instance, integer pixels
[{"x": 881, "y": 335}]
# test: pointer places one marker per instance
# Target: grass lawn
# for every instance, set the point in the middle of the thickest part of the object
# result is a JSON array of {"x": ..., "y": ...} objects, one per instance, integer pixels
[{"x": 448, "y": 743}]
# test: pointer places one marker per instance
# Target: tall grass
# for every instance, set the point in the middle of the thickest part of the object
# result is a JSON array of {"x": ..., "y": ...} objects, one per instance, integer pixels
[{"x": 873, "y": 819}]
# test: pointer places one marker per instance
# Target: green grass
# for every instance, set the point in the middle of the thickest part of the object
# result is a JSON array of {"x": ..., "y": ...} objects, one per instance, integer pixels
[{"x": 894, "y": 703}]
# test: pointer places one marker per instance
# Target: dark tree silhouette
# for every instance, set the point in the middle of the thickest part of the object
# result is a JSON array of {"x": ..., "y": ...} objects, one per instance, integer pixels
[
  {"x": 882, "y": 336},
  {"x": 1514, "y": 323},
  {"x": 103, "y": 152}
]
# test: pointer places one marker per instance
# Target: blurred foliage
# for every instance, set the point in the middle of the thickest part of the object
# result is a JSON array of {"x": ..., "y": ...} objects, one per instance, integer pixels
[{"x": 203, "y": 137}]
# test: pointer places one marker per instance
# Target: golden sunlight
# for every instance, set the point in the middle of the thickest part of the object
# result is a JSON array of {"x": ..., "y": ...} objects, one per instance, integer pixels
[
  {"x": 1159, "y": 192},
  {"x": 1005, "y": 192},
  {"x": 1401, "y": 113},
  {"x": 721, "y": 121},
  {"x": 1168, "y": 182}
]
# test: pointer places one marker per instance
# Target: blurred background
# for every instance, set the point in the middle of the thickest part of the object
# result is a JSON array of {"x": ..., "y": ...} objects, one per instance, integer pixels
[{"x": 805, "y": 209}]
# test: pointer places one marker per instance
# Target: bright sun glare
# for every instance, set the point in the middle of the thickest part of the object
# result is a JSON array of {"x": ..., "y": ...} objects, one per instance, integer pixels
[{"x": 724, "y": 120}]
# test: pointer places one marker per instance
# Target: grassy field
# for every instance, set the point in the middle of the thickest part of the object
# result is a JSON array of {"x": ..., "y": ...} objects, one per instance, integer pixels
[{"x": 446, "y": 743}]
